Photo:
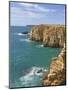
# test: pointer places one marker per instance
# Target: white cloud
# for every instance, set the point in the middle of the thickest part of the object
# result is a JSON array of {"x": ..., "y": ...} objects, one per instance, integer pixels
[
  {"x": 20, "y": 13},
  {"x": 34, "y": 15},
  {"x": 41, "y": 9},
  {"x": 28, "y": 4},
  {"x": 36, "y": 7},
  {"x": 28, "y": 13}
]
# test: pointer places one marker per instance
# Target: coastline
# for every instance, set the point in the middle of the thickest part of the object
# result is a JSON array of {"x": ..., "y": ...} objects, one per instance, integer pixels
[
  {"x": 52, "y": 36},
  {"x": 56, "y": 75}
]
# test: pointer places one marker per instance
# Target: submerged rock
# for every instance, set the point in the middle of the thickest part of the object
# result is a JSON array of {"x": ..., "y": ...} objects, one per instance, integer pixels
[{"x": 24, "y": 32}]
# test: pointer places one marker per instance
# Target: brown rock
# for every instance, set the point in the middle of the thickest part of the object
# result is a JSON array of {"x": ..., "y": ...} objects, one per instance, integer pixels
[
  {"x": 52, "y": 36},
  {"x": 56, "y": 75},
  {"x": 49, "y": 35}
]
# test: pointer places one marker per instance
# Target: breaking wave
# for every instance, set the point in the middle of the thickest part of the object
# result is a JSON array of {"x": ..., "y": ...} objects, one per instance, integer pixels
[
  {"x": 21, "y": 34},
  {"x": 34, "y": 77},
  {"x": 39, "y": 46},
  {"x": 25, "y": 40}
]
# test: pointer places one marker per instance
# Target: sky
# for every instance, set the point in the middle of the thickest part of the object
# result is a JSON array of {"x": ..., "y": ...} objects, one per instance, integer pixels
[{"x": 22, "y": 14}]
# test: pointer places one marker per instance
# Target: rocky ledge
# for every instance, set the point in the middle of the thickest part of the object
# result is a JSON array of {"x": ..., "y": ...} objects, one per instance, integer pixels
[
  {"x": 49, "y": 35},
  {"x": 57, "y": 72}
]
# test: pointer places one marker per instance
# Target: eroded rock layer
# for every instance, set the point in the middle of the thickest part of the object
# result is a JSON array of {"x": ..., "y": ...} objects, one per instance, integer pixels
[
  {"x": 57, "y": 72},
  {"x": 50, "y": 35}
]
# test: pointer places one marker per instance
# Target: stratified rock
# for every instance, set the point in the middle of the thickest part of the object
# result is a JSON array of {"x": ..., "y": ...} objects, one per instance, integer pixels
[
  {"x": 57, "y": 73},
  {"x": 37, "y": 33},
  {"x": 52, "y": 36},
  {"x": 49, "y": 35}
]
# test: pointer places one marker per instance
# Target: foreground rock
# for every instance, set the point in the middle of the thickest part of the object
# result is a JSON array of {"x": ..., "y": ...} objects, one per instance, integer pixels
[
  {"x": 56, "y": 75},
  {"x": 49, "y": 35}
]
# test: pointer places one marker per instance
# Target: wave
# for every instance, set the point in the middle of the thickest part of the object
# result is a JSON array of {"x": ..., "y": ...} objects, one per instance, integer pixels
[
  {"x": 21, "y": 34},
  {"x": 33, "y": 77},
  {"x": 39, "y": 46},
  {"x": 26, "y": 40}
]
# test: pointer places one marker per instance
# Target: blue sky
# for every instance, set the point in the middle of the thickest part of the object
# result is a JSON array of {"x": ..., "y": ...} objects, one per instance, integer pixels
[{"x": 22, "y": 14}]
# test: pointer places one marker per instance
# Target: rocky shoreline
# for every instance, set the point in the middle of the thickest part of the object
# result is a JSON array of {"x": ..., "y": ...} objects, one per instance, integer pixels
[
  {"x": 56, "y": 75},
  {"x": 49, "y": 35},
  {"x": 52, "y": 36}
]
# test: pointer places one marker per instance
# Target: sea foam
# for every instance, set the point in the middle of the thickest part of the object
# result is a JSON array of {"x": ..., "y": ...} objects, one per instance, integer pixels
[
  {"x": 21, "y": 34},
  {"x": 26, "y": 40},
  {"x": 39, "y": 46},
  {"x": 34, "y": 75}
]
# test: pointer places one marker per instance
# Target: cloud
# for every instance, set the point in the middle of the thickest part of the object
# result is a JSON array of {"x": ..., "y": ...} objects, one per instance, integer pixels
[
  {"x": 36, "y": 8},
  {"x": 34, "y": 15},
  {"x": 42, "y": 9},
  {"x": 25, "y": 13},
  {"x": 28, "y": 13},
  {"x": 18, "y": 13},
  {"x": 33, "y": 7},
  {"x": 28, "y": 4}
]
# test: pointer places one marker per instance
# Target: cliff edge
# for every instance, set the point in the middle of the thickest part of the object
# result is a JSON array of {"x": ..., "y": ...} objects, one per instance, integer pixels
[
  {"x": 52, "y": 36},
  {"x": 49, "y": 35},
  {"x": 57, "y": 74}
]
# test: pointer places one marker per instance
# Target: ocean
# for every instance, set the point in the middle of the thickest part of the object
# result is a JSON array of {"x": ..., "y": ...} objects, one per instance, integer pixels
[{"x": 27, "y": 59}]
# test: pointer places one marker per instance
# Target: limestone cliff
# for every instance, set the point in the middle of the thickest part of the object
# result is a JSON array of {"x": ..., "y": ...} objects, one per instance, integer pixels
[
  {"x": 56, "y": 75},
  {"x": 49, "y": 35},
  {"x": 52, "y": 36}
]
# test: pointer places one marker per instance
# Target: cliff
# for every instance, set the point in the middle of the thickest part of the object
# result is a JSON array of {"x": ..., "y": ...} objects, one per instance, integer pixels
[
  {"x": 52, "y": 36},
  {"x": 49, "y": 35},
  {"x": 56, "y": 75}
]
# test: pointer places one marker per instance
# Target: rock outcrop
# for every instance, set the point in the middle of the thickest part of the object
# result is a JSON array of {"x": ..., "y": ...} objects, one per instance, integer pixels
[
  {"x": 57, "y": 72},
  {"x": 52, "y": 36},
  {"x": 49, "y": 35}
]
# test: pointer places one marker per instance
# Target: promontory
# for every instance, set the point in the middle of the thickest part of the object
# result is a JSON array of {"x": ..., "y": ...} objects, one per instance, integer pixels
[{"x": 52, "y": 36}]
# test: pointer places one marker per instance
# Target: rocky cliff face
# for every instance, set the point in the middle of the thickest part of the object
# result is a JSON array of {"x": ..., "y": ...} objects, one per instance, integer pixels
[
  {"x": 56, "y": 75},
  {"x": 49, "y": 35},
  {"x": 52, "y": 36}
]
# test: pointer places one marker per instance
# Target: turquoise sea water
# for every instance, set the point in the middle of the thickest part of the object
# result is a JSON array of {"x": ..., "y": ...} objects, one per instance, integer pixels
[{"x": 26, "y": 58}]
